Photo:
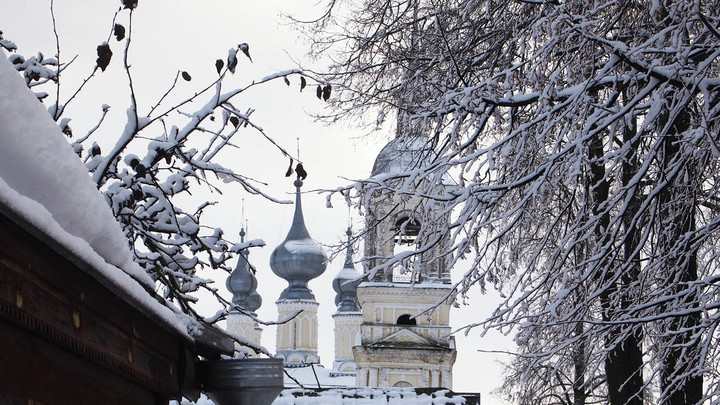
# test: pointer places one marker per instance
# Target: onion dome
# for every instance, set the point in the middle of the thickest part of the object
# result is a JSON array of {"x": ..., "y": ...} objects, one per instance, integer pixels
[
  {"x": 242, "y": 282},
  {"x": 346, "y": 282},
  {"x": 298, "y": 259},
  {"x": 402, "y": 154},
  {"x": 254, "y": 301}
]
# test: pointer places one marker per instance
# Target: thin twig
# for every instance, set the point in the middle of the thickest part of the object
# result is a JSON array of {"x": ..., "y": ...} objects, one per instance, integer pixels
[{"x": 56, "y": 113}]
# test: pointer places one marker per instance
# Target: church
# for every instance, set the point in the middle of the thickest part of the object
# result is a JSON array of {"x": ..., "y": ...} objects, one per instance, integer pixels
[{"x": 392, "y": 326}]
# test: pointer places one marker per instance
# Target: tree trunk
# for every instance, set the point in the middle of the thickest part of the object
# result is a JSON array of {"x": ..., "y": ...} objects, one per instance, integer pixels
[
  {"x": 580, "y": 366},
  {"x": 678, "y": 218},
  {"x": 623, "y": 365}
]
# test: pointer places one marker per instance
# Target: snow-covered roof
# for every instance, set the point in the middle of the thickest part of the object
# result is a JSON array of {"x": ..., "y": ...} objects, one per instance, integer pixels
[
  {"x": 366, "y": 396},
  {"x": 370, "y": 396},
  {"x": 401, "y": 154},
  {"x": 317, "y": 376},
  {"x": 304, "y": 246},
  {"x": 45, "y": 187},
  {"x": 436, "y": 284}
]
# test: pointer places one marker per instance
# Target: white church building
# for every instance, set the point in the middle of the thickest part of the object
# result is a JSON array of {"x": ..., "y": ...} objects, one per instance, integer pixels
[{"x": 392, "y": 330}]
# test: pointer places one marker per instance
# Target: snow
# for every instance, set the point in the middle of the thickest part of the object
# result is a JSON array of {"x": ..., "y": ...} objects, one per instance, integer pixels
[
  {"x": 280, "y": 74},
  {"x": 325, "y": 378},
  {"x": 356, "y": 396},
  {"x": 43, "y": 182},
  {"x": 366, "y": 396},
  {"x": 338, "y": 388},
  {"x": 38, "y": 163},
  {"x": 304, "y": 246},
  {"x": 348, "y": 274},
  {"x": 400, "y": 155},
  {"x": 424, "y": 284}
]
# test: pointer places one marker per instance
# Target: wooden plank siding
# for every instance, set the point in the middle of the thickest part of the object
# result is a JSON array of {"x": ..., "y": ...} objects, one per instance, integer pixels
[{"x": 65, "y": 337}]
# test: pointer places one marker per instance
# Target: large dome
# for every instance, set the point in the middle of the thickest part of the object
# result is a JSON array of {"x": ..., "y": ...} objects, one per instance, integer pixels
[
  {"x": 402, "y": 154},
  {"x": 298, "y": 259}
]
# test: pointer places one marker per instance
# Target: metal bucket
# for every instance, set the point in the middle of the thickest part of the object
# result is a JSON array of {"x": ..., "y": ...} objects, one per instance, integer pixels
[{"x": 241, "y": 381}]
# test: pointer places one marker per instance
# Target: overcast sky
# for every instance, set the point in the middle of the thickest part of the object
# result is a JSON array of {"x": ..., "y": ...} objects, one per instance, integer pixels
[{"x": 172, "y": 35}]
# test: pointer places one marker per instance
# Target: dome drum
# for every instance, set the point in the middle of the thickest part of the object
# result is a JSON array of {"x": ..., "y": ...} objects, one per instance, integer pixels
[{"x": 297, "y": 290}]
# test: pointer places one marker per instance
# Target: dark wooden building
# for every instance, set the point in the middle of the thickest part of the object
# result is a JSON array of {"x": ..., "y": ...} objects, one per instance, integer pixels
[{"x": 70, "y": 335}]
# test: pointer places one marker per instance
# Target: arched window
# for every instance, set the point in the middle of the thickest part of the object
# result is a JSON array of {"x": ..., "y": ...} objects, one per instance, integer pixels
[
  {"x": 406, "y": 230},
  {"x": 402, "y": 384},
  {"x": 407, "y": 320}
]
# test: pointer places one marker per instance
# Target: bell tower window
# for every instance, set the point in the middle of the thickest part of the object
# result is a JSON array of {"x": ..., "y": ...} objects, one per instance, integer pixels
[
  {"x": 406, "y": 320},
  {"x": 406, "y": 230}
]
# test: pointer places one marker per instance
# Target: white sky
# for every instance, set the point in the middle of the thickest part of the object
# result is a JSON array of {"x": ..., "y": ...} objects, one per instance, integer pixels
[{"x": 172, "y": 35}]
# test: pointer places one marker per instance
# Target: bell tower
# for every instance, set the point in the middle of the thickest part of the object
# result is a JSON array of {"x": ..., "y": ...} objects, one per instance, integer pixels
[
  {"x": 348, "y": 316},
  {"x": 406, "y": 300}
]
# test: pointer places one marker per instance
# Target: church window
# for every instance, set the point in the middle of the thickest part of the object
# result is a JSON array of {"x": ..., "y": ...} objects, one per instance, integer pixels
[
  {"x": 294, "y": 334},
  {"x": 402, "y": 384},
  {"x": 305, "y": 332}
]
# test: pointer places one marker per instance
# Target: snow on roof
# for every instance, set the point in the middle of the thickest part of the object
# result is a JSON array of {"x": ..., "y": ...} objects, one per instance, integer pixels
[
  {"x": 304, "y": 246},
  {"x": 436, "y": 284},
  {"x": 45, "y": 185},
  {"x": 38, "y": 163},
  {"x": 369, "y": 396},
  {"x": 348, "y": 273},
  {"x": 363, "y": 396},
  {"x": 306, "y": 376},
  {"x": 402, "y": 154}
]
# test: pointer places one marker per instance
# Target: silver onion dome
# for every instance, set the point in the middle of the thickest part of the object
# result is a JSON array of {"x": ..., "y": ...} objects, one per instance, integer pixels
[
  {"x": 254, "y": 301},
  {"x": 242, "y": 282},
  {"x": 346, "y": 282},
  {"x": 298, "y": 259}
]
